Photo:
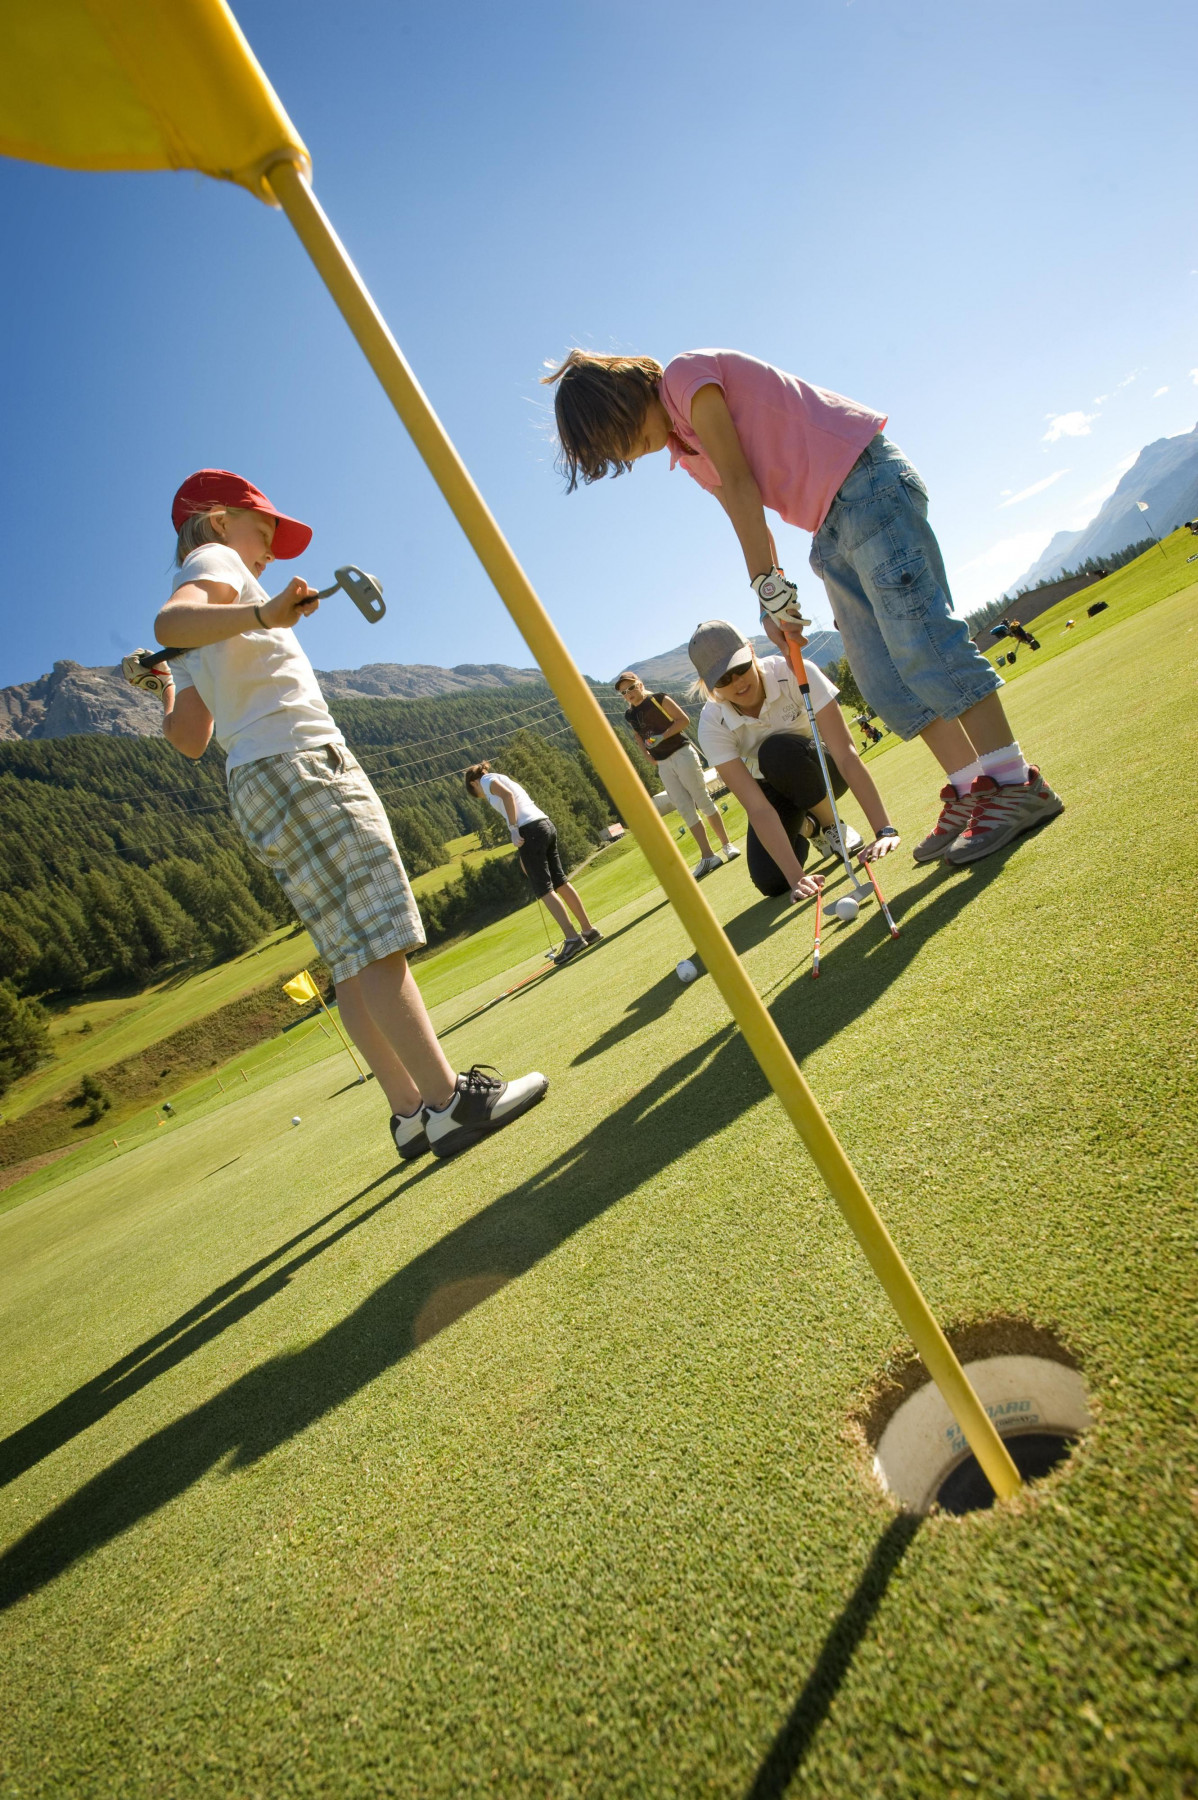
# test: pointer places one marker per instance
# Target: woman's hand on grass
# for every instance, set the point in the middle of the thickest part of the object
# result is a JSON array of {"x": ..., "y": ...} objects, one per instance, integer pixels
[
  {"x": 881, "y": 846},
  {"x": 806, "y": 887}
]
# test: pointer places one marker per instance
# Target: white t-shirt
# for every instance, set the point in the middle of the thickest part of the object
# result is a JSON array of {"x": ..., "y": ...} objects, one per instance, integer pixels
[
  {"x": 526, "y": 810},
  {"x": 259, "y": 687},
  {"x": 725, "y": 734}
]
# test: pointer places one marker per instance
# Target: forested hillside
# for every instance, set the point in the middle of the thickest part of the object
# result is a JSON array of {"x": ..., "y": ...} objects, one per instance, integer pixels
[{"x": 121, "y": 858}]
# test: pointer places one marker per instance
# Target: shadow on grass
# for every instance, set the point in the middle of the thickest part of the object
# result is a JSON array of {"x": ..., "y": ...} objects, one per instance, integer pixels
[
  {"x": 223, "y": 1307},
  {"x": 700, "y": 1094},
  {"x": 858, "y": 964},
  {"x": 538, "y": 975},
  {"x": 789, "y": 1750}
]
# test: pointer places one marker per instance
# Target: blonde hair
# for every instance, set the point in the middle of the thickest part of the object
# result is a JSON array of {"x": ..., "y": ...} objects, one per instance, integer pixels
[
  {"x": 600, "y": 406},
  {"x": 198, "y": 528}
]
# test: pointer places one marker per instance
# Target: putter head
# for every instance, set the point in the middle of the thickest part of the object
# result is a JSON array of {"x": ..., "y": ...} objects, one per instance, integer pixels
[{"x": 364, "y": 590}]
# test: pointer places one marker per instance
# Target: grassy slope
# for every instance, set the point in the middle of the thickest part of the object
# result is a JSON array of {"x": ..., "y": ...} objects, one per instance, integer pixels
[
  {"x": 122, "y": 1025},
  {"x": 528, "y": 1474}
]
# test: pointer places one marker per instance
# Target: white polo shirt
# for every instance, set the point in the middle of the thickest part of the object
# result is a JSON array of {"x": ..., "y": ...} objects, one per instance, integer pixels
[
  {"x": 259, "y": 686},
  {"x": 726, "y": 734}
]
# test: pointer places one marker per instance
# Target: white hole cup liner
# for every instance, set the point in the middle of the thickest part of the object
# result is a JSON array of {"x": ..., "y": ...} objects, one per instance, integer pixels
[{"x": 922, "y": 1444}]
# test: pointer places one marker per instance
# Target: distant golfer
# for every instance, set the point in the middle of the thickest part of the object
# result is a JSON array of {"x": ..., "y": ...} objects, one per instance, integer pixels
[
  {"x": 303, "y": 804},
  {"x": 755, "y": 436},
  {"x": 660, "y": 727},
  {"x": 754, "y": 731},
  {"x": 535, "y": 837}
]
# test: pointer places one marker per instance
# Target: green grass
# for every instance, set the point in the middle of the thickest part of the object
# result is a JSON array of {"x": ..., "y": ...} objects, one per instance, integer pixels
[
  {"x": 616, "y": 884},
  {"x": 529, "y": 1474},
  {"x": 124, "y": 1024},
  {"x": 464, "y": 852}
]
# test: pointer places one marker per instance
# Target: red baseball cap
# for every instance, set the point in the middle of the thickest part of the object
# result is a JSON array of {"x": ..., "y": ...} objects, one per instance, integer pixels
[{"x": 220, "y": 487}]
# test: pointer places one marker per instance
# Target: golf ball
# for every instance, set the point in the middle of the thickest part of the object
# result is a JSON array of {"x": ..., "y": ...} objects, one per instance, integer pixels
[
  {"x": 845, "y": 908},
  {"x": 296, "y": 1120},
  {"x": 686, "y": 970}
]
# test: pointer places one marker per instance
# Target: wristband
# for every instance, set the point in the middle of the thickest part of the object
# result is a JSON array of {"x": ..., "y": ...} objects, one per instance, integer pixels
[
  {"x": 260, "y": 619},
  {"x": 887, "y": 831}
]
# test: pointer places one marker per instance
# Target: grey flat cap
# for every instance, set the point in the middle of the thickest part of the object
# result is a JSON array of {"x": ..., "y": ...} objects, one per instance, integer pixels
[{"x": 716, "y": 647}]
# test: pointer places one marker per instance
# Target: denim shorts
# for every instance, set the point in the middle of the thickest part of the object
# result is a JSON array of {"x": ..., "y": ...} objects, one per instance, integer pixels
[{"x": 878, "y": 558}]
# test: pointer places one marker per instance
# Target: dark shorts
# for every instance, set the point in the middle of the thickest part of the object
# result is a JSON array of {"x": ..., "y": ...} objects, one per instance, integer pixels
[
  {"x": 791, "y": 781},
  {"x": 539, "y": 858}
]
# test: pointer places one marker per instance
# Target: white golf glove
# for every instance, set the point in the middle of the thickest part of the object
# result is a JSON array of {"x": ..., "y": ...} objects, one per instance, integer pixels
[
  {"x": 152, "y": 680},
  {"x": 779, "y": 598}
]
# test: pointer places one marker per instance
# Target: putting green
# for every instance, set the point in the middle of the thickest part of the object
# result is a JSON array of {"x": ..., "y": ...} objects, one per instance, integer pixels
[{"x": 530, "y": 1474}]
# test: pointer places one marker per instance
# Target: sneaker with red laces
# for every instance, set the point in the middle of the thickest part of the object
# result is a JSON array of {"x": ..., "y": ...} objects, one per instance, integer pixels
[
  {"x": 1003, "y": 813},
  {"x": 956, "y": 810}
]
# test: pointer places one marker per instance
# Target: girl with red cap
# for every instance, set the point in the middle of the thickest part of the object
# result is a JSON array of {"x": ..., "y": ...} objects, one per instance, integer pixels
[{"x": 304, "y": 805}]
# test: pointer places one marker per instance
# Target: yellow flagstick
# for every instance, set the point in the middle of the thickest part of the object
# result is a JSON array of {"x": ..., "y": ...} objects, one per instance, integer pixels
[
  {"x": 581, "y": 708},
  {"x": 300, "y": 988}
]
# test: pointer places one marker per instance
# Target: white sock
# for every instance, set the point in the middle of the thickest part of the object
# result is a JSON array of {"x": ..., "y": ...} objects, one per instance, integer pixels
[
  {"x": 963, "y": 779},
  {"x": 1005, "y": 766}
]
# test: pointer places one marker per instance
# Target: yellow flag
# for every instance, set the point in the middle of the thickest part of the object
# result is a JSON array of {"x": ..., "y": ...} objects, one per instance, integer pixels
[
  {"x": 301, "y": 988},
  {"x": 140, "y": 84}
]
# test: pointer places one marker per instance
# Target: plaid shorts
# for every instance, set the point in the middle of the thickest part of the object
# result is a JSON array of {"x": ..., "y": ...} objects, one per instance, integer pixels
[{"x": 317, "y": 824}]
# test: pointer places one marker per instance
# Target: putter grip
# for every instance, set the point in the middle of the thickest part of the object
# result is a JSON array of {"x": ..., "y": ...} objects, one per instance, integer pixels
[
  {"x": 148, "y": 658},
  {"x": 795, "y": 656}
]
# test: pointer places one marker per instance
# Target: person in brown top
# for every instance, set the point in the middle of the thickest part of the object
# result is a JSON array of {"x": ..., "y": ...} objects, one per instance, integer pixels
[{"x": 660, "y": 727}]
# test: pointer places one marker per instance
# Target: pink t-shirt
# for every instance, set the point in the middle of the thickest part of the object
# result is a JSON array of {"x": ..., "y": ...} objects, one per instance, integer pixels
[{"x": 799, "y": 441}]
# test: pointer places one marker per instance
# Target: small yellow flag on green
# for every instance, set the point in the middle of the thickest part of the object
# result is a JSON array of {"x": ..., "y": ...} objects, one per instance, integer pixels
[{"x": 301, "y": 988}]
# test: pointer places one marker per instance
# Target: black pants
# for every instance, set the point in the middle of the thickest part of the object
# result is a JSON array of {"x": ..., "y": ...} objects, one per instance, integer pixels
[
  {"x": 539, "y": 856},
  {"x": 791, "y": 781}
]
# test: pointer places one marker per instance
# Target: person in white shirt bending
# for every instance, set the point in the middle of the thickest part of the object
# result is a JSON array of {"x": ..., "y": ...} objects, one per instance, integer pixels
[
  {"x": 754, "y": 731},
  {"x": 303, "y": 804},
  {"x": 535, "y": 837}
]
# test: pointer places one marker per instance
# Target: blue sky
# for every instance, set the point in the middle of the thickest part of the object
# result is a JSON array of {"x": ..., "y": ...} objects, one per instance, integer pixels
[{"x": 979, "y": 219}]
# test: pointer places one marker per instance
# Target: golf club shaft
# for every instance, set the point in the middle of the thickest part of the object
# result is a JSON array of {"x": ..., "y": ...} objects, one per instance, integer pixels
[
  {"x": 797, "y": 664},
  {"x": 881, "y": 900}
]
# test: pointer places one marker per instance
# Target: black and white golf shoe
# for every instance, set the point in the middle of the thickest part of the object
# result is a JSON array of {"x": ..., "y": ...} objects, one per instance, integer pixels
[
  {"x": 481, "y": 1104},
  {"x": 411, "y": 1139}
]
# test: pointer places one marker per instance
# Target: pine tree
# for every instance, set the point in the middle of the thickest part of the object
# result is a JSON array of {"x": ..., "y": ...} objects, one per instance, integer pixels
[{"x": 24, "y": 1039}]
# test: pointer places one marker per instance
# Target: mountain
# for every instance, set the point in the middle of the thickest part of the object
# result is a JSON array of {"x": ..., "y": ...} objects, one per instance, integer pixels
[
  {"x": 673, "y": 668},
  {"x": 418, "y": 681},
  {"x": 1164, "y": 476},
  {"x": 73, "y": 701}
]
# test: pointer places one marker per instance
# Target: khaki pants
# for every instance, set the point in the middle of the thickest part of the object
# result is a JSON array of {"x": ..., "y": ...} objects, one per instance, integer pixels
[{"x": 682, "y": 778}]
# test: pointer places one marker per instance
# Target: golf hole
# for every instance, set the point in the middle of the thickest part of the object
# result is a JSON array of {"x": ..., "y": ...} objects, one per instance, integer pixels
[{"x": 1031, "y": 1388}]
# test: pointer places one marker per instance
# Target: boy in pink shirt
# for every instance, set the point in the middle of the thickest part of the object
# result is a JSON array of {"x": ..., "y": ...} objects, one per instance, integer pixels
[{"x": 756, "y": 437}]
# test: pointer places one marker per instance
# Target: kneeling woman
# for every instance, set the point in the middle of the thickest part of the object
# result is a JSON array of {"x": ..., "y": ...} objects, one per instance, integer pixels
[
  {"x": 535, "y": 837},
  {"x": 754, "y": 731}
]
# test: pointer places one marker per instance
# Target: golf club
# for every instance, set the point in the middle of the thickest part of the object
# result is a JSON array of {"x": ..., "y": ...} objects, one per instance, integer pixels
[
  {"x": 819, "y": 903},
  {"x": 795, "y": 656},
  {"x": 881, "y": 901},
  {"x": 366, "y": 592}
]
